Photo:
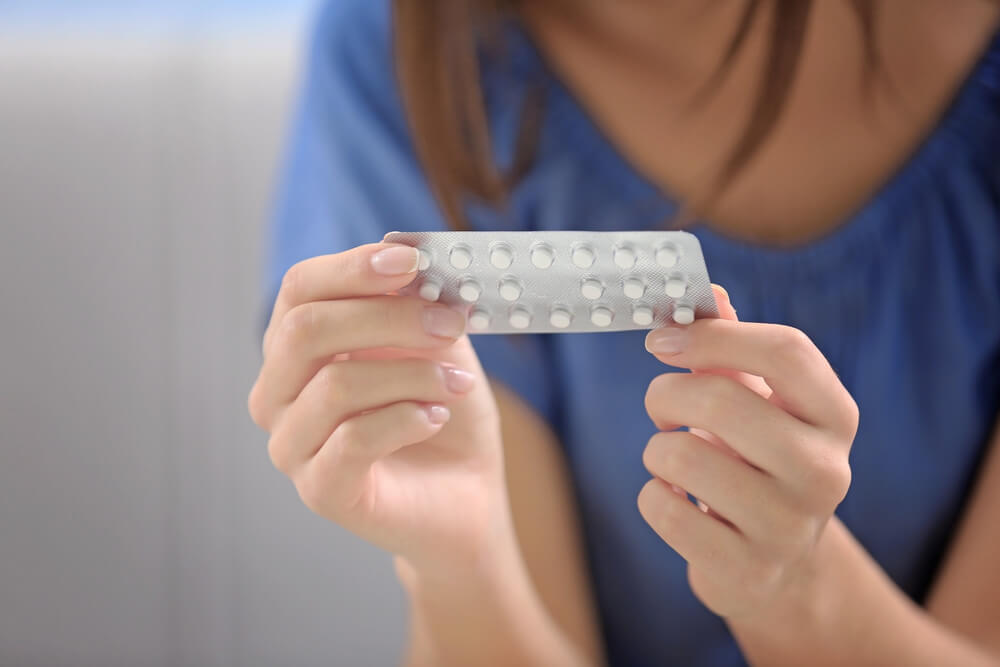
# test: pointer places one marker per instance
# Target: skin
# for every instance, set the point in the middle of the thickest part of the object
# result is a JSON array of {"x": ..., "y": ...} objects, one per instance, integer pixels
[{"x": 478, "y": 508}]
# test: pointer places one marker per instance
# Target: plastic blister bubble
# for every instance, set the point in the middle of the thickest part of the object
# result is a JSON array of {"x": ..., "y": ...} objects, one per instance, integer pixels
[{"x": 563, "y": 281}]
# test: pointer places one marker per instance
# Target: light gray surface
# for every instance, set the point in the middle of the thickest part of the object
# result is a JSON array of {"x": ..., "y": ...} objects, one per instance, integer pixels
[{"x": 140, "y": 521}]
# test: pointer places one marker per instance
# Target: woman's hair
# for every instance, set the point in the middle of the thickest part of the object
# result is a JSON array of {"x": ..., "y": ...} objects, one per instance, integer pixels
[{"x": 437, "y": 46}]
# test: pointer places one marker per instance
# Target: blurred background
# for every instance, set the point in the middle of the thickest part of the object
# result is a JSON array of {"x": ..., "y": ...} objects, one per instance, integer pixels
[{"x": 140, "y": 520}]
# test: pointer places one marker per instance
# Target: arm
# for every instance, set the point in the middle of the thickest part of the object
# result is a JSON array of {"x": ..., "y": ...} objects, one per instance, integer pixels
[
  {"x": 533, "y": 605},
  {"x": 864, "y": 619}
]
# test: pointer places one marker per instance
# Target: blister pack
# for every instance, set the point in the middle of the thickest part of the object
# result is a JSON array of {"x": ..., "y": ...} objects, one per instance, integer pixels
[{"x": 563, "y": 281}]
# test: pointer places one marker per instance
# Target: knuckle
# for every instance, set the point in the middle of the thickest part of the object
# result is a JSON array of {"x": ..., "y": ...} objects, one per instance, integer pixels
[
  {"x": 680, "y": 459},
  {"x": 828, "y": 477},
  {"x": 278, "y": 453},
  {"x": 653, "y": 451},
  {"x": 662, "y": 513},
  {"x": 291, "y": 284},
  {"x": 793, "y": 347},
  {"x": 332, "y": 383},
  {"x": 298, "y": 323},
  {"x": 852, "y": 417},
  {"x": 659, "y": 389},
  {"x": 256, "y": 408},
  {"x": 350, "y": 434},
  {"x": 312, "y": 491}
]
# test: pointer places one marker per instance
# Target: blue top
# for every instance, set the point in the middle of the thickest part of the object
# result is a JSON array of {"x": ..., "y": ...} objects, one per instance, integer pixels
[{"x": 903, "y": 299}]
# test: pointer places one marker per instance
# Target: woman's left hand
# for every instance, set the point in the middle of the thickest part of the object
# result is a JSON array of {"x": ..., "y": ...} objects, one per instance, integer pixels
[{"x": 766, "y": 456}]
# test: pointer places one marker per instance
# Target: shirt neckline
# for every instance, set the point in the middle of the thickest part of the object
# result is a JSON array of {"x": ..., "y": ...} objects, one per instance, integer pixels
[{"x": 969, "y": 123}]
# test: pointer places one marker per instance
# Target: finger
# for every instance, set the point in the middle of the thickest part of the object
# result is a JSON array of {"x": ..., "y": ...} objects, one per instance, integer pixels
[
  {"x": 345, "y": 389},
  {"x": 756, "y": 429},
  {"x": 701, "y": 540},
  {"x": 376, "y": 268},
  {"x": 783, "y": 356},
  {"x": 314, "y": 332},
  {"x": 336, "y": 477},
  {"x": 737, "y": 492},
  {"x": 728, "y": 312}
]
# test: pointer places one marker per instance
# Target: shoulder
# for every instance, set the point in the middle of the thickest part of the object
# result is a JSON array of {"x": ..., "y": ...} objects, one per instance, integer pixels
[{"x": 350, "y": 43}]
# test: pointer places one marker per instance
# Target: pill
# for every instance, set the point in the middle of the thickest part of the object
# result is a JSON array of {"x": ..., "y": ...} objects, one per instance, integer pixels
[
  {"x": 542, "y": 256},
  {"x": 430, "y": 291},
  {"x": 510, "y": 290},
  {"x": 642, "y": 315},
  {"x": 601, "y": 316},
  {"x": 683, "y": 315},
  {"x": 624, "y": 257},
  {"x": 479, "y": 319},
  {"x": 666, "y": 255},
  {"x": 520, "y": 318},
  {"x": 560, "y": 318},
  {"x": 501, "y": 256},
  {"x": 675, "y": 287},
  {"x": 469, "y": 290},
  {"x": 591, "y": 288},
  {"x": 424, "y": 262},
  {"x": 583, "y": 257},
  {"x": 460, "y": 257},
  {"x": 634, "y": 288}
]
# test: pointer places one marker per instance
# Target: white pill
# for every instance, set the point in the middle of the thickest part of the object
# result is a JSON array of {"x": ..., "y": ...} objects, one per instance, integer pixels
[
  {"x": 510, "y": 290},
  {"x": 583, "y": 257},
  {"x": 430, "y": 291},
  {"x": 470, "y": 291},
  {"x": 460, "y": 257},
  {"x": 683, "y": 315},
  {"x": 667, "y": 255},
  {"x": 642, "y": 315},
  {"x": 424, "y": 262},
  {"x": 676, "y": 287},
  {"x": 634, "y": 288},
  {"x": 560, "y": 318},
  {"x": 591, "y": 289},
  {"x": 601, "y": 316},
  {"x": 624, "y": 257},
  {"x": 501, "y": 256},
  {"x": 542, "y": 256},
  {"x": 520, "y": 318},
  {"x": 479, "y": 319}
]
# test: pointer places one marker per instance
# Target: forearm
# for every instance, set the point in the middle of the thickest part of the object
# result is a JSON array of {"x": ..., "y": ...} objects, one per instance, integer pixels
[
  {"x": 494, "y": 617},
  {"x": 848, "y": 612}
]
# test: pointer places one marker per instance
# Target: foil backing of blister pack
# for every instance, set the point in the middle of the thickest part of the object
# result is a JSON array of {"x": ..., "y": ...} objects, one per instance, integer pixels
[{"x": 563, "y": 281}]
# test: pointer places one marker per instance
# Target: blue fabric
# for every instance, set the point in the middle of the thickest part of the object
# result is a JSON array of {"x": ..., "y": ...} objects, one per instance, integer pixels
[{"x": 903, "y": 298}]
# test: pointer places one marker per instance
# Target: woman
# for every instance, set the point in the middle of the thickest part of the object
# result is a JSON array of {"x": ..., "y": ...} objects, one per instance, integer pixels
[{"x": 839, "y": 162}]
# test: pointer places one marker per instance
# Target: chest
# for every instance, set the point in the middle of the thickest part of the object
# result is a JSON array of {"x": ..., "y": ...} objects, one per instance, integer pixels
[{"x": 836, "y": 142}]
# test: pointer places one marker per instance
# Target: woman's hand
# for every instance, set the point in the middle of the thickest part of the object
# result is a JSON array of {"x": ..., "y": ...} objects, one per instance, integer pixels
[
  {"x": 379, "y": 411},
  {"x": 767, "y": 456}
]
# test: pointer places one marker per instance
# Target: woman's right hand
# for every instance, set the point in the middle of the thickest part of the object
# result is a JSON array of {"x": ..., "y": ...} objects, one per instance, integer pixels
[{"x": 379, "y": 411}]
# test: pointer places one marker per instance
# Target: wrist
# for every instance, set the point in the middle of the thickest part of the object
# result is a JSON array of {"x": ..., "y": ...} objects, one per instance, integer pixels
[
  {"x": 811, "y": 598},
  {"x": 492, "y": 566}
]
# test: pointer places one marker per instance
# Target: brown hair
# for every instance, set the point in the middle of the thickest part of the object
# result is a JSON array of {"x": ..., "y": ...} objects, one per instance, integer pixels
[{"x": 436, "y": 45}]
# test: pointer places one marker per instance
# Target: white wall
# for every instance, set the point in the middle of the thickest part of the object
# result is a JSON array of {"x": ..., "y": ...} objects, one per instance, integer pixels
[{"x": 140, "y": 521}]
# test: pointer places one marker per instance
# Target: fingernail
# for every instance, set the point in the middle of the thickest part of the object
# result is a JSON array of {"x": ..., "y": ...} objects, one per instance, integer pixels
[
  {"x": 395, "y": 261},
  {"x": 458, "y": 381},
  {"x": 437, "y": 414},
  {"x": 443, "y": 322},
  {"x": 668, "y": 340}
]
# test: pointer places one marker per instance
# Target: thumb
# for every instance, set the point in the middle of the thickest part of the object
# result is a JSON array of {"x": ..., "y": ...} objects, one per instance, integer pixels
[{"x": 726, "y": 310}]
